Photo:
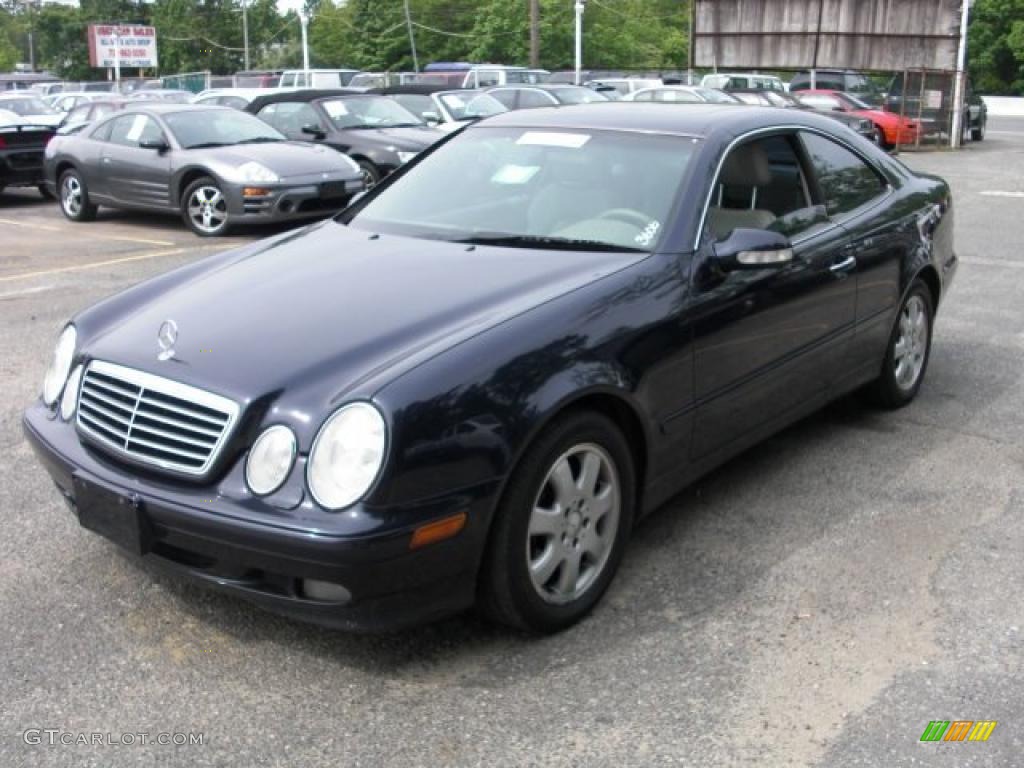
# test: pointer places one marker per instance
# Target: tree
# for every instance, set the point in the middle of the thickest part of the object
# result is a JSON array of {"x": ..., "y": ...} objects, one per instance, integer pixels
[{"x": 996, "y": 46}]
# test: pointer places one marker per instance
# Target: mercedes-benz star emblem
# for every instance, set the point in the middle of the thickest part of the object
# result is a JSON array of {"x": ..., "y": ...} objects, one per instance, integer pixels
[{"x": 165, "y": 337}]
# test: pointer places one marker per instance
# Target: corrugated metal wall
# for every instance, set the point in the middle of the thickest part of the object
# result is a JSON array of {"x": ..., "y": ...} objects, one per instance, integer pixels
[{"x": 881, "y": 35}]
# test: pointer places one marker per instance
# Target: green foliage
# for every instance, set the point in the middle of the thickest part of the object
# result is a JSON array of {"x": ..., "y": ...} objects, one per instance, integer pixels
[
  {"x": 195, "y": 35},
  {"x": 996, "y": 46}
]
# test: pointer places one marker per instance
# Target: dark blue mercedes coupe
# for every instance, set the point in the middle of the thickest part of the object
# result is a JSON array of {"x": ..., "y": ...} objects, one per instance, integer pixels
[{"x": 468, "y": 386}]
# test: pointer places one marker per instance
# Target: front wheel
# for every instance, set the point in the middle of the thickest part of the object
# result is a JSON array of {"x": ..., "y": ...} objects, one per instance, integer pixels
[
  {"x": 978, "y": 134},
  {"x": 561, "y": 527},
  {"x": 74, "y": 197},
  {"x": 371, "y": 174},
  {"x": 204, "y": 208},
  {"x": 906, "y": 358}
]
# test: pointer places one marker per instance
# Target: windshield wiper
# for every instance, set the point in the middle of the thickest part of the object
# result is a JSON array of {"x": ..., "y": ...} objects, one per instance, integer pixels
[
  {"x": 548, "y": 242},
  {"x": 207, "y": 145},
  {"x": 259, "y": 140}
]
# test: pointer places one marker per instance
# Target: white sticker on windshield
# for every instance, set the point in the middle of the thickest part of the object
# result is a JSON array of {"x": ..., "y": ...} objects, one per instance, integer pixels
[
  {"x": 138, "y": 126},
  {"x": 646, "y": 237},
  {"x": 515, "y": 174},
  {"x": 567, "y": 140},
  {"x": 335, "y": 108}
]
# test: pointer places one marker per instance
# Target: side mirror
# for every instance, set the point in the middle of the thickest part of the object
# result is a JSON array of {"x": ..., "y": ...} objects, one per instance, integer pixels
[
  {"x": 432, "y": 118},
  {"x": 753, "y": 249},
  {"x": 157, "y": 144},
  {"x": 313, "y": 130}
]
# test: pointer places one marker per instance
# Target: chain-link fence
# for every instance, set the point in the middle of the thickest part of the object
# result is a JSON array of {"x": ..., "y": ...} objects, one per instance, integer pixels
[{"x": 926, "y": 104}]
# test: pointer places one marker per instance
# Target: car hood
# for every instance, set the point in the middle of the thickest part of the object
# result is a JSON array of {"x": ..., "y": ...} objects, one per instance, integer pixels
[
  {"x": 404, "y": 139},
  {"x": 285, "y": 158},
  {"x": 329, "y": 310}
]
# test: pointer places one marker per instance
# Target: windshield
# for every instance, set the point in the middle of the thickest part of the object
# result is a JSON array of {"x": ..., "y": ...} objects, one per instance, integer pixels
[
  {"x": 712, "y": 96},
  {"x": 368, "y": 112},
  {"x": 218, "y": 127},
  {"x": 417, "y": 103},
  {"x": 465, "y": 105},
  {"x": 577, "y": 95},
  {"x": 27, "y": 106},
  {"x": 857, "y": 103},
  {"x": 555, "y": 189}
]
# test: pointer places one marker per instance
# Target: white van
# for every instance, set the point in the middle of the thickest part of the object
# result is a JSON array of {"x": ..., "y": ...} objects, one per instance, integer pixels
[
  {"x": 317, "y": 78},
  {"x": 742, "y": 81}
]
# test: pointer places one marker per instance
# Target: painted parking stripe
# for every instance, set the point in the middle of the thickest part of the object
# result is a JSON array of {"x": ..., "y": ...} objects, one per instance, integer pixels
[
  {"x": 94, "y": 265},
  {"x": 50, "y": 228},
  {"x": 1000, "y": 193}
]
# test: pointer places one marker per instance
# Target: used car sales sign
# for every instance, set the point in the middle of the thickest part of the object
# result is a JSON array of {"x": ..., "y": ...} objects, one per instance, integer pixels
[{"x": 137, "y": 45}]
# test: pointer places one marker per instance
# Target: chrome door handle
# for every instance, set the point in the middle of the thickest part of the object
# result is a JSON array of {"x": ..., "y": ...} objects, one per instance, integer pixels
[{"x": 843, "y": 266}]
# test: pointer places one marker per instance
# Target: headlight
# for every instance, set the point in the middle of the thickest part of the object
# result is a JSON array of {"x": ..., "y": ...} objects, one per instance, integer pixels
[
  {"x": 253, "y": 171},
  {"x": 60, "y": 366},
  {"x": 405, "y": 157},
  {"x": 70, "y": 399},
  {"x": 270, "y": 460},
  {"x": 347, "y": 455}
]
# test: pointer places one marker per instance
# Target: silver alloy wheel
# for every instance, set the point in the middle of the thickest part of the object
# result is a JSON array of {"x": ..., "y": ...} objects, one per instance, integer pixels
[
  {"x": 573, "y": 524},
  {"x": 369, "y": 181},
  {"x": 71, "y": 195},
  {"x": 911, "y": 344},
  {"x": 207, "y": 208}
]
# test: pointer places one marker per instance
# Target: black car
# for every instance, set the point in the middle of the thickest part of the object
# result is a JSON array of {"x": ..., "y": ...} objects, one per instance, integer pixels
[
  {"x": 376, "y": 132},
  {"x": 459, "y": 393},
  {"x": 21, "y": 156},
  {"x": 855, "y": 123},
  {"x": 535, "y": 96}
]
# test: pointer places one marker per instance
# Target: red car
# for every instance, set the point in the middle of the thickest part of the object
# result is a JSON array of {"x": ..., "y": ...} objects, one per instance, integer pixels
[{"x": 890, "y": 127}]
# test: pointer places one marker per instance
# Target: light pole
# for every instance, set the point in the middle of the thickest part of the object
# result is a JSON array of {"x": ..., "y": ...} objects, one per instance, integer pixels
[
  {"x": 579, "y": 7},
  {"x": 245, "y": 32},
  {"x": 117, "y": 57},
  {"x": 304, "y": 21},
  {"x": 958, "y": 85}
]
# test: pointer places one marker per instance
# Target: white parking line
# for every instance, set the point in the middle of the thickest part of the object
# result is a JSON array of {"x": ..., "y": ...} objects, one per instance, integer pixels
[
  {"x": 1000, "y": 193},
  {"x": 93, "y": 265},
  {"x": 26, "y": 291}
]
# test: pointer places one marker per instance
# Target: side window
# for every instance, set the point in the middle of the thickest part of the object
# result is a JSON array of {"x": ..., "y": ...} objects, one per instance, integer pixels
[
  {"x": 289, "y": 117},
  {"x": 645, "y": 95},
  {"x": 102, "y": 133},
  {"x": 846, "y": 182},
  {"x": 487, "y": 77},
  {"x": 762, "y": 186},
  {"x": 677, "y": 96},
  {"x": 129, "y": 130},
  {"x": 506, "y": 97},
  {"x": 534, "y": 99}
]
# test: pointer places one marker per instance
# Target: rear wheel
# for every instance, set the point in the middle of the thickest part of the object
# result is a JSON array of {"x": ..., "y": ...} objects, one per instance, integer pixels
[
  {"x": 906, "y": 358},
  {"x": 371, "y": 174},
  {"x": 978, "y": 133},
  {"x": 561, "y": 527},
  {"x": 74, "y": 197},
  {"x": 204, "y": 208}
]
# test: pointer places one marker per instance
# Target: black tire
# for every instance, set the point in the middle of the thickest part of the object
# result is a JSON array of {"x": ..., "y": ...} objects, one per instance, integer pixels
[
  {"x": 371, "y": 174},
  {"x": 978, "y": 133},
  {"x": 74, "y": 197},
  {"x": 506, "y": 592},
  {"x": 45, "y": 192},
  {"x": 887, "y": 390},
  {"x": 880, "y": 139},
  {"x": 208, "y": 192}
]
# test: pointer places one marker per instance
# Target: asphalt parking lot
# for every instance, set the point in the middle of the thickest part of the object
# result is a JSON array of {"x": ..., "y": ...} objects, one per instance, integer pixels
[{"x": 816, "y": 602}]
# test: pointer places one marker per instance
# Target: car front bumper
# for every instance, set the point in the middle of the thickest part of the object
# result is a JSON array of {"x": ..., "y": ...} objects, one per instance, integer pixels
[
  {"x": 284, "y": 201},
  {"x": 219, "y": 542}
]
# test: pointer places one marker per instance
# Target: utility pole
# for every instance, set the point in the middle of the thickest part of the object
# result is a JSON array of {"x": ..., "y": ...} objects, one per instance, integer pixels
[
  {"x": 245, "y": 31},
  {"x": 117, "y": 57},
  {"x": 535, "y": 33},
  {"x": 412, "y": 37},
  {"x": 579, "y": 7}
]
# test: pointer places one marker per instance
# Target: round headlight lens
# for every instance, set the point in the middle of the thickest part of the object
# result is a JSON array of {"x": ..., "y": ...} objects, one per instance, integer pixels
[
  {"x": 70, "y": 399},
  {"x": 270, "y": 460},
  {"x": 347, "y": 455},
  {"x": 60, "y": 366}
]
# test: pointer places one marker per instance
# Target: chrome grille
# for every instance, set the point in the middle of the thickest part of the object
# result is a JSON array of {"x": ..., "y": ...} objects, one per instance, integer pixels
[{"x": 153, "y": 420}]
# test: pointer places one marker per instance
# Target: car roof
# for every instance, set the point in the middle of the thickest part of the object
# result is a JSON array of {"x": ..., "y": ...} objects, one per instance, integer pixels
[
  {"x": 424, "y": 89},
  {"x": 697, "y": 120},
  {"x": 306, "y": 94}
]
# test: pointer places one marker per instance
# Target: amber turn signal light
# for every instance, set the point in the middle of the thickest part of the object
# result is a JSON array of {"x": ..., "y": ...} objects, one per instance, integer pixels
[
  {"x": 255, "y": 192},
  {"x": 439, "y": 530}
]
